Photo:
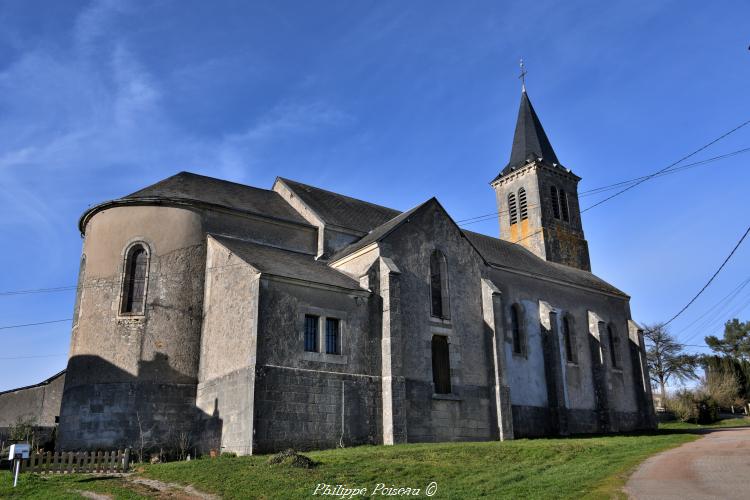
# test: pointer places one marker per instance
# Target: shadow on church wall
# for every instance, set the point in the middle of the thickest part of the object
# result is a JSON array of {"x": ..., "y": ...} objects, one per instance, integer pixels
[{"x": 106, "y": 407}]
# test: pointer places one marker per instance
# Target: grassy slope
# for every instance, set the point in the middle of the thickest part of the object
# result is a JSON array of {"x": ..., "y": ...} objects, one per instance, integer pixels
[{"x": 591, "y": 467}]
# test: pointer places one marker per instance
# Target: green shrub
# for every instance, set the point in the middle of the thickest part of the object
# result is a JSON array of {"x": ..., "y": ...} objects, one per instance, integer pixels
[{"x": 688, "y": 406}]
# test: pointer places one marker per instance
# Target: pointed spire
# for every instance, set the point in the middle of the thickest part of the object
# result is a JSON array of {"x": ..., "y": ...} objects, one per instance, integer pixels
[{"x": 529, "y": 142}]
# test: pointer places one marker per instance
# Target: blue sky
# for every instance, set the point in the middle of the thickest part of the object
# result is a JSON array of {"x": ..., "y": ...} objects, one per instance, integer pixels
[{"x": 389, "y": 101}]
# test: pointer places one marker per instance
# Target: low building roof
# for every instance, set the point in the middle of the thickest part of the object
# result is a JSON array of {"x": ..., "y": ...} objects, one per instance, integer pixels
[{"x": 287, "y": 264}]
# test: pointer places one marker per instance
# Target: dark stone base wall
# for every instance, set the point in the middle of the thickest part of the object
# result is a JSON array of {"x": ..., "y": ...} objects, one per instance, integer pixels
[
  {"x": 535, "y": 421},
  {"x": 467, "y": 416},
  {"x": 302, "y": 409},
  {"x": 105, "y": 416}
]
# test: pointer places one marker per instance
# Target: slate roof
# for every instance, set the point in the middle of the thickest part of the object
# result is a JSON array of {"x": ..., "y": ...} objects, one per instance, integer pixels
[
  {"x": 286, "y": 263},
  {"x": 494, "y": 251},
  {"x": 514, "y": 256},
  {"x": 379, "y": 232},
  {"x": 341, "y": 210},
  {"x": 529, "y": 141},
  {"x": 189, "y": 186}
]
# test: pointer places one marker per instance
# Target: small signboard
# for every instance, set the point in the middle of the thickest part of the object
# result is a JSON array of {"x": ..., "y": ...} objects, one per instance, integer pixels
[{"x": 19, "y": 451}]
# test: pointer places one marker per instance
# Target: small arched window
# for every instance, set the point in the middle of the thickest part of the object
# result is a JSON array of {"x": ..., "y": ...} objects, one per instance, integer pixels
[
  {"x": 522, "y": 206},
  {"x": 516, "y": 328},
  {"x": 134, "y": 280},
  {"x": 439, "y": 285},
  {"x": 564, "y": 206},
  {"x": 555, "y": 202},
  {"x": 512, "y": 209},
  {"x": 570, "y": 351},
  {"x": 614, "y": 346}
]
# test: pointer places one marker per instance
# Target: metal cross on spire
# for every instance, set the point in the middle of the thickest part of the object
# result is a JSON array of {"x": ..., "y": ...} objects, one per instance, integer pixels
[{"x": 522, "y": 76}]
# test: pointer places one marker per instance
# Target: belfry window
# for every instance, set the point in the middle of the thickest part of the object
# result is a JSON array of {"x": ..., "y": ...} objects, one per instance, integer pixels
[
  {"x": 515, "y": 329},
  {"x": 441, "y": 368},
  {"x": 568, "y": 340},
  {"x": 311, "y": 333},
  {"x": 333, "y": 339},
  {"x": 555, "y": 202},
  {"x": 522, "y": 207},
  {"x": 439, "y": 285},
  {"x": 564, "y": 206},
  {"x": 614, "y": 346},
  {"x": 134, "y": 280},
  {"x": 512, "y": 209}
]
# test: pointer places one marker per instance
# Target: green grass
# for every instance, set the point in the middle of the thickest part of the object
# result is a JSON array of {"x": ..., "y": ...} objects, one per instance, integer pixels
[
  {"x": 728, "y": 422},
  {"x": 581, "y": 467},
  {"x": 64, "y": 487}
]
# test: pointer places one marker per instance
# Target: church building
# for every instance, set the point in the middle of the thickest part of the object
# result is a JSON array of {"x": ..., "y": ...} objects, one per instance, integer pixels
[{"x": 256, "y": 319}]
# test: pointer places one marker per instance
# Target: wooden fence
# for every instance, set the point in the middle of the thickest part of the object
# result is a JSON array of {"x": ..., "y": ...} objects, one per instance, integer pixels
[{"x": 77, "y": 462}]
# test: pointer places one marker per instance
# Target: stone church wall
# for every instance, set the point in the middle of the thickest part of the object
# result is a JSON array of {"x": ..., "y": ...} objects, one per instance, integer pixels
[
  {"x": 581, "y": 410},
  {"x": 467, "y": 413},
  {"x": 39, "y": 403},
  {"x": 228, "y": 352},
  {"x": 300, "y": 396},
  {"x": 131, "y": 375}
]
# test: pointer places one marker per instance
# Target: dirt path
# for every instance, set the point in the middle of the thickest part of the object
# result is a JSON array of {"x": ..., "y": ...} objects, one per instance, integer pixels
[
  {"x": 151, "y": 488},
  {"x": 715, "y": 466}
]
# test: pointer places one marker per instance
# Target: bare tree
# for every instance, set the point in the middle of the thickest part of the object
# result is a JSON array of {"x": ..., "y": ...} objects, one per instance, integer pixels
[
  {"x": 667, "y": 359},
  {"x": 145, "y": 441},
  {"x": 723, "y": 387}
]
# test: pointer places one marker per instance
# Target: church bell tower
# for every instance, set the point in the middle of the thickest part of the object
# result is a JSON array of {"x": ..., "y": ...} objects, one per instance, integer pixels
[{"x": 537, "y": 198}]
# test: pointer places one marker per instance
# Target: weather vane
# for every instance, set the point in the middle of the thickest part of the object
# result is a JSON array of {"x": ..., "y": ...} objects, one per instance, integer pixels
[{"x": 522, "y": 76}]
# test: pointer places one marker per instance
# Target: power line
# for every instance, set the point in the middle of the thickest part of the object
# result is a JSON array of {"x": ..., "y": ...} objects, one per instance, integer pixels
[
  {"x": 598, "y": 190},
  {"x": 673, "y": 170},
  {"x": 712, "y": 277},
  {"x": 8, "y": 327},
  {"x": 726, "y": 134}
]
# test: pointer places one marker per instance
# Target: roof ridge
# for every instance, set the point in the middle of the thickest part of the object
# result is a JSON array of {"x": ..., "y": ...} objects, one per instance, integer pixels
[{"x": 284, "y": 179}]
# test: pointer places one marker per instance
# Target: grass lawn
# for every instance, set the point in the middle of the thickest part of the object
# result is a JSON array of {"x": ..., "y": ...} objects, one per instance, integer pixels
[
  {"x": 590, "y": 467},
  {"x": 727, "y": 422}
]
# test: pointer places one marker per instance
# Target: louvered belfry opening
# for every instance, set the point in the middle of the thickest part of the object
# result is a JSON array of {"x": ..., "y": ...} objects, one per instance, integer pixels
[
  {"x": 564, "y": 206},
  {"x": 522, "y": 206},
  {"x": 512, "y": 209},
  {"x": 555, "y": 202},
  {"x": 134, "y": 286},
  {"x": 441, "y": 371}
]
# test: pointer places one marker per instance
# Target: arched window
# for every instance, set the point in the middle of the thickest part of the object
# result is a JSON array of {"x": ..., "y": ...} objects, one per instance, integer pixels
[
  {"x": 522, "y": 207},
  {"x": 570, "y": 352},
  {"x": 512, "y": 209},
  {"x": 614, "y": 346},
  {"x": 134, "y": 280},
  {"x": 555, "y": 202},
  {"x": 564, "y": 206},
  {"x": 516, "y": 328},
  {"x": 441, "y": 367},
  {"x": 439, "y": 285}
]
